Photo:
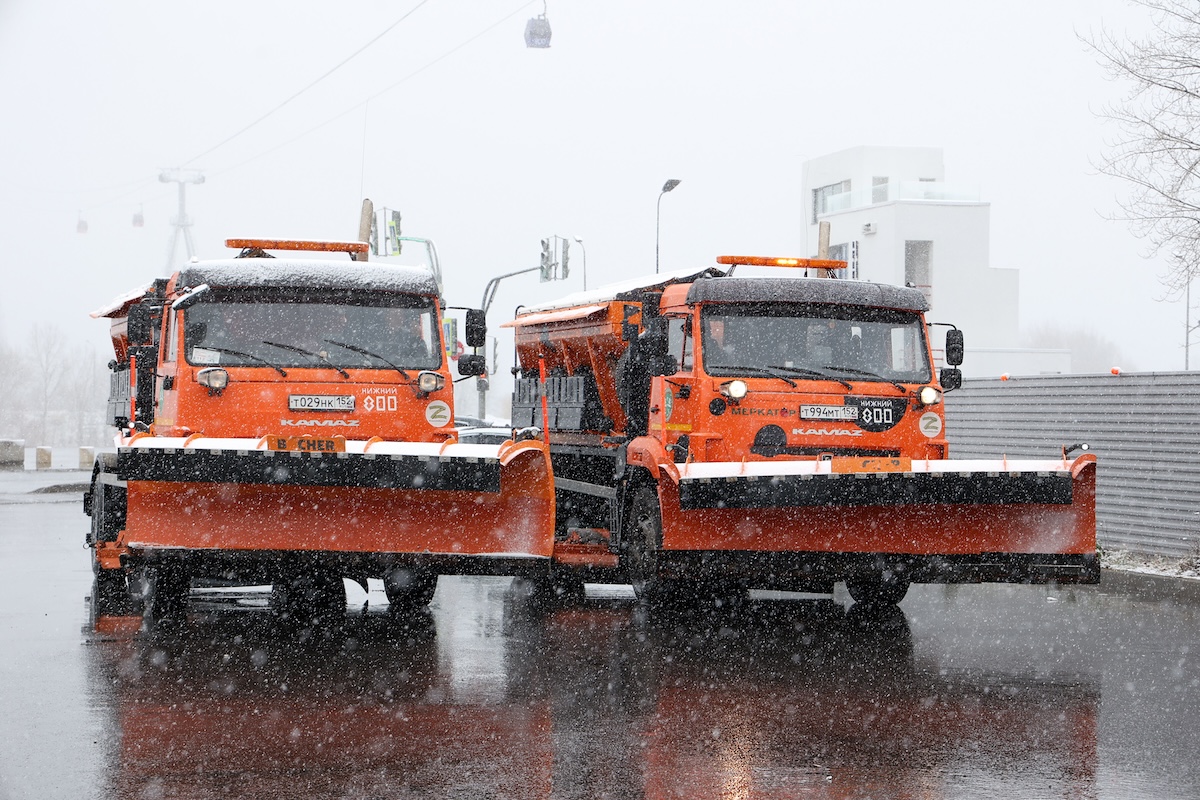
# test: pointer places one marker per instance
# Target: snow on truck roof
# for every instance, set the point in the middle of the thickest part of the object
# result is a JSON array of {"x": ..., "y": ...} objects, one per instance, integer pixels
[
  {"x": 723, "y": 288},
  {"x": 619, "y": 290},
  {"x": 298, "y": 273},
  {"x": 807, "y": 290}
]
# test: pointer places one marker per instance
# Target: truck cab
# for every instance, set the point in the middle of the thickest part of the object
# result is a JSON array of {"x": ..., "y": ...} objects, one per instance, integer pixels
[{"x": 770, "y": 368}]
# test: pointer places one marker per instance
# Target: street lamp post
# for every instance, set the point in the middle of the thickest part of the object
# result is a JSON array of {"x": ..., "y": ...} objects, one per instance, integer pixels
[
  {"x": 584, "y": 249},
  {"x": 668, "y": 186}
]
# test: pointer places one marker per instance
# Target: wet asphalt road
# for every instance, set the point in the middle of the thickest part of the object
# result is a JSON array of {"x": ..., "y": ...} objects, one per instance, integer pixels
[{"x": 988, "y": 691}]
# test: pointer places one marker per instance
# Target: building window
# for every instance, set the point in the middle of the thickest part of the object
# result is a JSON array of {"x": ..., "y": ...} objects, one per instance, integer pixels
[
  {"x": 821, "y": 197},
  {"x": 879, "y": 190},
  {"x": 918, "y": 267}
]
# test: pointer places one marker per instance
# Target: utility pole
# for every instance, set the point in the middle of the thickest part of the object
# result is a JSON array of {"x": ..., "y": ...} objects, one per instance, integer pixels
[{"x": 181, "y": 222}]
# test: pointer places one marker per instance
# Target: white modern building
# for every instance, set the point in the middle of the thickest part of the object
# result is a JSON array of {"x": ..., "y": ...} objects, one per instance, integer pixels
[{"x": 894, "y": 219}]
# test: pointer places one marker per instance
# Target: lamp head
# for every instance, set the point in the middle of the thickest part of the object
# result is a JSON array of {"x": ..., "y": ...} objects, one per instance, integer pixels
[{"x": 669, "y": 185}]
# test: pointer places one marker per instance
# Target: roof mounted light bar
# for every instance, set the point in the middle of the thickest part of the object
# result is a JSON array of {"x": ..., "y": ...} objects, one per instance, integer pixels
[
  {"x": 296, "y": 244},
  {"x": 768, "y": 261}
]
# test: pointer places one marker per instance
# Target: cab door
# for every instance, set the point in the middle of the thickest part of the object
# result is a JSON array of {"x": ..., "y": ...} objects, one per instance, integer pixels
[{"x": 675, "y": 396}]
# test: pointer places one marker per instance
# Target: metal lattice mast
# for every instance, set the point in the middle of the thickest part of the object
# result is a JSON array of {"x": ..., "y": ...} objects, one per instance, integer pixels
[{"x": 182, "y": 223}]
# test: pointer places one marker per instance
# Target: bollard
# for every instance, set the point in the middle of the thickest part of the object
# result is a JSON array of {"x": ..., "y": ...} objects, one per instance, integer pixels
[
  {"x": 12, "y": 453},
  {"x": 87, "y": 455},
  {"x": 43, "y": 458}
]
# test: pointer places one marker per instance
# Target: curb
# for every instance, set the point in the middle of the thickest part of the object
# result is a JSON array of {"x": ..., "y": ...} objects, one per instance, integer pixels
[{"x": 1148, "y": 586}]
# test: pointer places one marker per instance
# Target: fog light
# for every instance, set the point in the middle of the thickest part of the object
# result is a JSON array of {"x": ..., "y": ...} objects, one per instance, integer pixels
[
  {"x": 430, "y": 381},
  {"x": 734, "y": 390},
  {"x": 214, "y": 378},
  {"x": 928, "y": 395}
]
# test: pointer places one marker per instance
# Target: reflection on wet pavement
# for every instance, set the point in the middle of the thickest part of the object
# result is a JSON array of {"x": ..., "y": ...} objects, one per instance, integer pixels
[{"x": 490, "y": 695}]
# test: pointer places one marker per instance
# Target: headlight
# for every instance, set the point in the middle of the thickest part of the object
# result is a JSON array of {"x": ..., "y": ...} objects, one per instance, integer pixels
[
  {"x": 734, "y": 390},
  {"x": 430, "y": 381},
  {"x": 929, "y": 396},
  {"x": 214, "y": 378}
]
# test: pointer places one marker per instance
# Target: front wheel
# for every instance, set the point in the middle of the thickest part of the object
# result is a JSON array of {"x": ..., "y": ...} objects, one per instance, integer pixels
[
  {"x": 408, "y": 589},
  {"x": 641, "y": 545},
  {"x": 165, "y": 593},
  {"x": 312, "y": 595},
  {"x": 111, "y": 594},
  {"x": 885, "y": 589}
]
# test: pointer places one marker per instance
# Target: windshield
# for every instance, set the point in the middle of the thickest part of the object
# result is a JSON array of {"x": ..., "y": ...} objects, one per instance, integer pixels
[
  {"x": 847, "y": 342},
  {"x": 369, "y": 331}
]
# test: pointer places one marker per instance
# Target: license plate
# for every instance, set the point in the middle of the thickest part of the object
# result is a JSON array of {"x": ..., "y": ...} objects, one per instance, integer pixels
[
  {"x": 320, "y": 402},
  {"x": 830, "y": 413}
]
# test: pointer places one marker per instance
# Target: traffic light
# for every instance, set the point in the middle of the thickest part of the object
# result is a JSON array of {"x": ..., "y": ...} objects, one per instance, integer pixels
[
  {"x": 393, "y": 234},
  {"x": 565, "y": 269},
  {"x": 547, "y": 264}
]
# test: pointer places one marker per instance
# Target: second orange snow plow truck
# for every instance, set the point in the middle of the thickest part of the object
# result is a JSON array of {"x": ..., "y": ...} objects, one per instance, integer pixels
[
  {"x": 710, "y": 433},
  {"x": 289, "y": 420}
]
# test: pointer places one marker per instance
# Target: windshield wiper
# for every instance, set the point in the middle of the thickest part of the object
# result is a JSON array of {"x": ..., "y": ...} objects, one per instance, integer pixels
[
  {"x": 295, "y": 349},
  {"x": 759, "y": 371},
  {"x": 812, "y": 373},
  {"x": 364, "y": 351},
  {"x": 240, "y": 354},
  {"x": 866, "y": 374}
]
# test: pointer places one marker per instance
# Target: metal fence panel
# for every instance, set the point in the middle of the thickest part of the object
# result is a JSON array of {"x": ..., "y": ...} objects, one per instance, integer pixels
[{"x": 1142, "y": 427}]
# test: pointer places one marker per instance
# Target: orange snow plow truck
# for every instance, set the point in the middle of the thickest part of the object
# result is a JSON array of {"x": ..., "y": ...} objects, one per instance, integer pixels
[
  {"x": 289, "y": 421},
  {"x": 712, "y": 433}
]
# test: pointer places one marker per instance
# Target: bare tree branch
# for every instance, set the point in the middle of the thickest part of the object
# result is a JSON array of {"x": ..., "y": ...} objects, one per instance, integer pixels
[{"x": 1157, "y": 145}]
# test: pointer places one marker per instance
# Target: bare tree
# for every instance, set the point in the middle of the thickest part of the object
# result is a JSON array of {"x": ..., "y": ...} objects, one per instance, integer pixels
[
  {"x": 1157, "y": 148},
  {"x": 47, "y": 357}
]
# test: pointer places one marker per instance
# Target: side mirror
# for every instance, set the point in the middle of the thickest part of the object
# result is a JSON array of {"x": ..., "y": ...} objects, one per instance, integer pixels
[
  {"x": 138, "y": 325},
  {"x": 476, "y": 332},
  {"x": 954, "y": 347},
  {"x": 470, "y": 364},
  {"x": 950, "y": 378}
]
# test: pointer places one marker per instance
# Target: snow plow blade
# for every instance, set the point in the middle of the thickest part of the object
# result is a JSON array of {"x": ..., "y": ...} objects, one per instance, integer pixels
[
  {"x": 454, "y": 508},
  {"x": 953, "y": 521}
]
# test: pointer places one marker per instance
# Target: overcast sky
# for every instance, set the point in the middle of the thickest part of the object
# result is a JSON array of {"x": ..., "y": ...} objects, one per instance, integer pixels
[{"x": 487, "y": 146}]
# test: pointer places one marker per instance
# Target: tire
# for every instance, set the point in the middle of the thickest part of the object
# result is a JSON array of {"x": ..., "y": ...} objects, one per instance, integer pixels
[
  {"x": 884, "y": 589},
  {"x": 409, "y": 590},
  {"x": 556, "y": 589},
  {"x": 641, "y": 545},
  {"x": 110, "y": 593},
  {"x": 166, "y": 595},
  {"x": 105, "y": 504},
  {"x": 311, "y": 596}
]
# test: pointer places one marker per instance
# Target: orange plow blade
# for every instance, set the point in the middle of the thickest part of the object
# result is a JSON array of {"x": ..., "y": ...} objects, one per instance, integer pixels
[
  {"x": 459, "y": 508},
  {"x": 947, "y": 521}
]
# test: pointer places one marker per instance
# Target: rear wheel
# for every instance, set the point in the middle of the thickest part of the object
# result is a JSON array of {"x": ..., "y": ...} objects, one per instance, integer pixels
[
  {"x": 314, "y": 594},
  {"x": 409, "y": 589},
  {"x": 881, "y": 589}
]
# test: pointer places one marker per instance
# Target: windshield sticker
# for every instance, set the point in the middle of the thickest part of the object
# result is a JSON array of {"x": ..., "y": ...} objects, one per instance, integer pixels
[{"x": 202, "y": 355}]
